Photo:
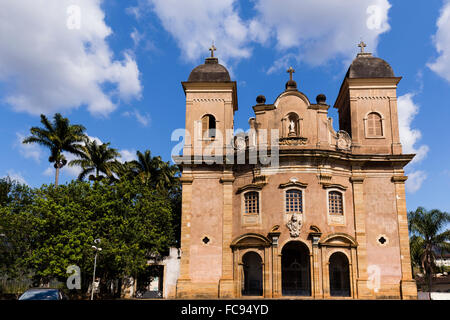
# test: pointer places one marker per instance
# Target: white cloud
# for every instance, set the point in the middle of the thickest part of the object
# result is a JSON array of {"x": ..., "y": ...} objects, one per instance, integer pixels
[
  {"x": 316, "y": 31},
  {"x": 409, "y": 138},
  {"x": 442, "y": 43},
  {"x": 407, "y": 110},
  {"x": 29, "y": 150},
  {"x": 54, "y": 57},
  {"x": 415, "y": 180},
  {"x": 196, "y": 23},
  {"x": 322, "y": 30},
  {"x": 16, "y": 176},
  {"x": 143, "y": 119},
  {"x": 127, "y": 155}
]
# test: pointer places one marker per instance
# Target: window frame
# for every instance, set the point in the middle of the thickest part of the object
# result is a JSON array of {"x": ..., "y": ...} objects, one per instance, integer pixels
[
  {"x": 244, "y": 213},
  {"x": 366, "y": 125},
  {"x": 336, "y": 219},
  {"x": 302, "y": 191},
  {"x": 209, "y": 137}
]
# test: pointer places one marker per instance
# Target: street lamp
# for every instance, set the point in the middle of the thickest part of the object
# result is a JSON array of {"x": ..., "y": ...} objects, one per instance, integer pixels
[{"x": 97, "y": 249}]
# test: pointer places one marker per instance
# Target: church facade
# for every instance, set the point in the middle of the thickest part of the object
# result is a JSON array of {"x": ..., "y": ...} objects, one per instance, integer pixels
[{"x": 293, "y": 208}]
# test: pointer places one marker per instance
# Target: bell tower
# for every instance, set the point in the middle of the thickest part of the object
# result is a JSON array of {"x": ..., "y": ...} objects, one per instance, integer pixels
[
  {"x": 207, "y": 186},
  {"x": 367, "y": 105},
  {"x": 211, "y": 101}
]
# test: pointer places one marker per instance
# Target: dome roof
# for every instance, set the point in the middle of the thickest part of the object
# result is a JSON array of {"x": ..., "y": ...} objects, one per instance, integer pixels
[
  {"x": 210, "y": 71},
  {"x": 367, "y": 66}
]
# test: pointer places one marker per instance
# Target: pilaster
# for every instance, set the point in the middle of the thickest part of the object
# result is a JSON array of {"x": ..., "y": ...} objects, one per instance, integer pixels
[
  {"x": 226, "y": 281},
  {"x": 407, "y": 284},
  {"x": 357, "y": 180}
]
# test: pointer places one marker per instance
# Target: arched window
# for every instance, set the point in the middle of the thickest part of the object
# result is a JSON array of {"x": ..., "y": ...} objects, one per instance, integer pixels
[
  {"x": 208, "y": 126},
  {"x": 374, "y": 125},
  {"x": 294, "y": 201},
  {"x": 335, "y": 204},
  {"x": 251, "y": 202}
]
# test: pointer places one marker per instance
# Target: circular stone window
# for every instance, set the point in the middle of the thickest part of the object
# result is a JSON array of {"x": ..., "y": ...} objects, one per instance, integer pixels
[{"x": 206, "y": 240}]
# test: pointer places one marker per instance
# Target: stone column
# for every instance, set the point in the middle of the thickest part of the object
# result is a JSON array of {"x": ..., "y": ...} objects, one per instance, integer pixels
[
  {"x": 226, "y": 281},
  {"x": 325, "y": 273},
  {"x": 407, "y": 284},
  {"x": 317, "y": 290},
  {"x": 279, "y": 275},
  {"x": 363, "y": 291},
  {"x": 183, "y": 283},
  {"x": 236, "y": 283},
  {"x": 353, "y": 272},
  {"x": 267, "y": 274},
  {"x": 274, "y": 236}
]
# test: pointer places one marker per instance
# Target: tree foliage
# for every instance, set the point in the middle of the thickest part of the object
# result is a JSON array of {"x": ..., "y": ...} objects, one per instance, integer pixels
[
  {"x": 58, "y": 136},
  {"x": 96, "y": 158},
  {"x": 428, "y": 236},
  {"x": 51, "y": 228},
  {"x": 134, "y": 208}
]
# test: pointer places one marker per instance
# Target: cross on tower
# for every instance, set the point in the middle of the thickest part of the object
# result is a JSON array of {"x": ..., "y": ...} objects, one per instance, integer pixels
[
  {"x": 362, "y": 45},
  {"x": 212, "y": 49},
  {"x": 290, "y": 71}
]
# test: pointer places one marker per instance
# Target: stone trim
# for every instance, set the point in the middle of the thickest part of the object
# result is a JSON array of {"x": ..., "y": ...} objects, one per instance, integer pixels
[
  {"x": 357, "y": 179},
  {"x": 351, "y": 242},
  {"x": 334, "y": 186},
  {"x": 399, "y": 179},
  {"x": 186, "y": 180},
  {"x": 252, "y": 186},
  {"x": 292, "y": 184}
]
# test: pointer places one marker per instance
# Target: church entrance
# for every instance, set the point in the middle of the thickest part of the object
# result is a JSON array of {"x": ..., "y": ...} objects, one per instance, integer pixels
[
  {"x": 253, "y": 278},
  {"x": 339, "y": 275},
  {"x": 295, "y": 270}
]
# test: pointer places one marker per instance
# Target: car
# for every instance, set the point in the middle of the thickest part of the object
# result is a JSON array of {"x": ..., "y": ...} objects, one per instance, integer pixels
[{"x": 43, "y": 294}]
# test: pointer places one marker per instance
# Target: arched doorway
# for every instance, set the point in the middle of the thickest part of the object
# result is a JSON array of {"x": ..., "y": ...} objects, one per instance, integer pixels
[
  {"x": 339, "y": 275},
  {"x": 253, "y": 277},
  {"x": 295, "y": 270}
]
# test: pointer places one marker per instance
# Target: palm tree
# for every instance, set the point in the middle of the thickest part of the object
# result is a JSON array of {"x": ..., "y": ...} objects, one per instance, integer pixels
[
  {"x": 425, "y": 227},
  {"x": 153, "y": 170},
  {"x": 58, "y": 136},
  {"x": 145, "y": 167},
  {"x": 98, "y": 158},
  {"x": 124, "y": 170}
]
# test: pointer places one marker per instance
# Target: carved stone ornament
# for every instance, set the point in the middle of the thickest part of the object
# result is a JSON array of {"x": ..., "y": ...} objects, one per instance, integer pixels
[
  {"x": 294, "y": 225},
  {"x": 344, "y": 142},
  {"x": 240, "y": 142},
  {"x": 293, "y": 141}
]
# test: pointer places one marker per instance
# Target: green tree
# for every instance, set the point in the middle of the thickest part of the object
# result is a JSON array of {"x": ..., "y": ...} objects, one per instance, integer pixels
[
  {"x": 6, "y": 185},
  {"x": 427, "y": 237},
  {"x": 17, "y": 234},
  {"x": 58, "y": 136},
  {"x": 51, "y": 228},
  {"x": 154, "y": 171},
  {"x": 96, "y": 158}
]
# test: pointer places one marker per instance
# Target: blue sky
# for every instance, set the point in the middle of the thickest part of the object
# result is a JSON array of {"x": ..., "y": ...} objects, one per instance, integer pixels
[{"x": 116, "y": 67}]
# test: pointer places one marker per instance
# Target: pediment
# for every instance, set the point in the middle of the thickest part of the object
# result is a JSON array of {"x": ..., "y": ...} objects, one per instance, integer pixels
[
  {"x": 338, "y": 240},
  {"x": 251, "y": 240}
]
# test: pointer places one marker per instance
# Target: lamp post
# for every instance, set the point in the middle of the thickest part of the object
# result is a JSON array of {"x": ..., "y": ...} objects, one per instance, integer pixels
[{"x": 97, "y": 249}]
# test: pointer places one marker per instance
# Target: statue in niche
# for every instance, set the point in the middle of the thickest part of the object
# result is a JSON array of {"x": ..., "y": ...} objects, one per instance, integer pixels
[{"x": 292, "y": 131}]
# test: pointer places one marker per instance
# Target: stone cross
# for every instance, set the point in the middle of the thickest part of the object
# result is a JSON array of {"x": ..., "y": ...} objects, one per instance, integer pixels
[
  {"x": 362, "y": 45},
  {"x": 290, "y": 71},
  {"x": 212, "y": 49}
]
